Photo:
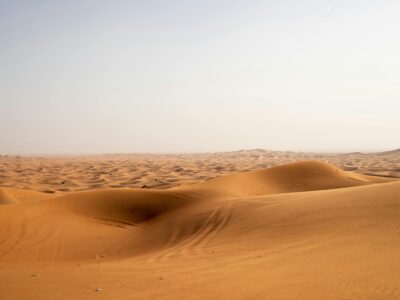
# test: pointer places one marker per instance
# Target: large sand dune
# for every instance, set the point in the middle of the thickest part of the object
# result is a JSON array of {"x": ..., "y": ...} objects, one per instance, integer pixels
[{"x": 306, "y": 230}]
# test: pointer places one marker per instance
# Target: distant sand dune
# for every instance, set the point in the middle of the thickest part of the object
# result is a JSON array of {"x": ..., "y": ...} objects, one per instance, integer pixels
[{"x": 60, "y": 174}]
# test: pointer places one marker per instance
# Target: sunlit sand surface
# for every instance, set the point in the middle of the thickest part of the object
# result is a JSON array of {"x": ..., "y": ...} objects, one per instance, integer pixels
[
  {"x": 238, "y": 225},
  {"x": 77, "y": 173}
]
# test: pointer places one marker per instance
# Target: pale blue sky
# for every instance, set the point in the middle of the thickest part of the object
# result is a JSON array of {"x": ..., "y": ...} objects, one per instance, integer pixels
[{"x": 194, "y": 76}]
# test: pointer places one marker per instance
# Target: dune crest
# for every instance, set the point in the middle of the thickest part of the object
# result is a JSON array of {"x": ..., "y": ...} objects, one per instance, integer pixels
[{"x": 295, "y": 177}]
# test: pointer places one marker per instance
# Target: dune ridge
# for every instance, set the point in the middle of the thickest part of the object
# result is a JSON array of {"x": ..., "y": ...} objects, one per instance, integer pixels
[{"x": 294, "y": 177}]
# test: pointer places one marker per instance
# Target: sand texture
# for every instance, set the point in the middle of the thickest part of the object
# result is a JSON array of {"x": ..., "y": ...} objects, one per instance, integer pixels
[
  {"x": 302, "y": 230},
  {"x": 78, "y": 173}
]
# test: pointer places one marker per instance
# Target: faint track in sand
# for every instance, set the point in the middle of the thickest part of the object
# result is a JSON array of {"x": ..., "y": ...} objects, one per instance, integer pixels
[{"x": 198, "y": 240}]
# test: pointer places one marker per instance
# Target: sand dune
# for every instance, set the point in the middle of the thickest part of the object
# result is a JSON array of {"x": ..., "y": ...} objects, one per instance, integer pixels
[
  {"x": 306, "y": 230},
  {"x": 13, "y": 196},
  {"x": 78, "y": 173},
  {"x": 121, "y": 221},
  {"x": 295, "y": 177}
]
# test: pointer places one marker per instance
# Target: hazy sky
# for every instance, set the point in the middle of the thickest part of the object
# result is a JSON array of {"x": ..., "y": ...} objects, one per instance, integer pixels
[{"x": 184, "y": 76}]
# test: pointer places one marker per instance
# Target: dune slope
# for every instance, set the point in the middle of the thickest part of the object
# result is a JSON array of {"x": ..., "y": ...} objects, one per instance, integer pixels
[
  {"x": 295, "y": 177},
  {"x": 13, "y": 196}
]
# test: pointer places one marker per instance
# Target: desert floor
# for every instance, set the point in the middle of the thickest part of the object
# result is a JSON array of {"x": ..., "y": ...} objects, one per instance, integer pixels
[{"x": 236, "y": 225}]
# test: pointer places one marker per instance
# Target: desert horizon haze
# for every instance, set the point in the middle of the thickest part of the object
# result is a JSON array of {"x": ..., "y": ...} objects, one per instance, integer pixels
[{"x": 178, "y": 76}]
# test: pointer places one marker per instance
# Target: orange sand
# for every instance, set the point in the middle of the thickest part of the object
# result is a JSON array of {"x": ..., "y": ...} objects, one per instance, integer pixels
[{"x": 306, "y": 230}]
